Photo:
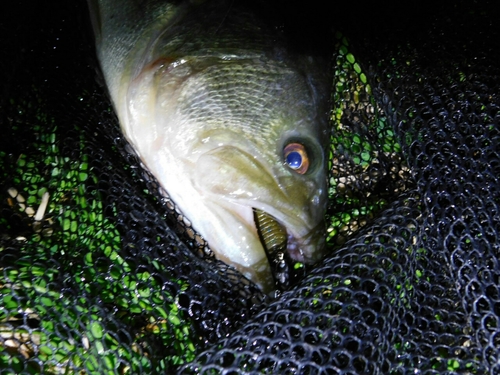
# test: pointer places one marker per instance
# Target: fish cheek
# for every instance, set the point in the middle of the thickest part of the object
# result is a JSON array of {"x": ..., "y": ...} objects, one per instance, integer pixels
[{"x": 232, "y": 173}]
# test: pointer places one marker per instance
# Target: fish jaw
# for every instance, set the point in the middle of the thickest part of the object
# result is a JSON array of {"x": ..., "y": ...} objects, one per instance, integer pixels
[{"x": 228, "y": 227}]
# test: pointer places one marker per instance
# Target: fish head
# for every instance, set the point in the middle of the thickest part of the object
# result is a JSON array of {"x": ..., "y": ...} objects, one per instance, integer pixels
[{"x": 231, "y": 137}]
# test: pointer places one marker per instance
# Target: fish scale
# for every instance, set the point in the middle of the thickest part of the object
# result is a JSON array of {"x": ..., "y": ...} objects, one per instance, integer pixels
[{"x": 252, "y": 116}]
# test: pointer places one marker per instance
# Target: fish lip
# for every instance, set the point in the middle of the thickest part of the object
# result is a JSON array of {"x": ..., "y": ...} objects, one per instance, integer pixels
[{"x": 295, "y": 245}]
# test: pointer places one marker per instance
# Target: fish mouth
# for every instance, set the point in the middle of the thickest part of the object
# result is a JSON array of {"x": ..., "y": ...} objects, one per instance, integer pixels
[{"x": 282, "y": 249}]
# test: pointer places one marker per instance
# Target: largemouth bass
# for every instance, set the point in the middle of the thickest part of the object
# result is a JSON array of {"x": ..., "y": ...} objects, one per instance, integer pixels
[{"x": 230, "y": 122}]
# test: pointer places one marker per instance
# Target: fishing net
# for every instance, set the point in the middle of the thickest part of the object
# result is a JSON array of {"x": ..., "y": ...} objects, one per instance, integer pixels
[{"x": 100, "y": 273}]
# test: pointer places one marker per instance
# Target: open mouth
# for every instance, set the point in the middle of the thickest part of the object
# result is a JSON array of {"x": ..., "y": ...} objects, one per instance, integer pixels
[{"x": 277, "y": 243}]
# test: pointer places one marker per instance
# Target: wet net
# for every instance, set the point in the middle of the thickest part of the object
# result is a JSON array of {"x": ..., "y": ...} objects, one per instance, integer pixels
[{"x": 99, "y": 273}]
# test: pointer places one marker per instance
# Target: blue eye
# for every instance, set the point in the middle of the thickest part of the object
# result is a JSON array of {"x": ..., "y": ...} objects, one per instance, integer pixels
[{"x": 296, "y": 158}]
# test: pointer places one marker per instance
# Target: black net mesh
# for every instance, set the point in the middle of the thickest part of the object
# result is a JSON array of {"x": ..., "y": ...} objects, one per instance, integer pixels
[{"x": 100, "y": 274}]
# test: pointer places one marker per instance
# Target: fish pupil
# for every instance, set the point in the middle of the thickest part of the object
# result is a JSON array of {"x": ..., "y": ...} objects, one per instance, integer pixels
[{"x": 294, "y": 160}]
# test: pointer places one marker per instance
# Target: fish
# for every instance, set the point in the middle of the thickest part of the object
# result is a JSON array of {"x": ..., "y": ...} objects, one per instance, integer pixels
[{"x": 231, "y": 121}]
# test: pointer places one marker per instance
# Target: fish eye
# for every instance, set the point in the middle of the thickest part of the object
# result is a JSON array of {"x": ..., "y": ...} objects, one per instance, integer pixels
[{"x": 295, "y": 156}]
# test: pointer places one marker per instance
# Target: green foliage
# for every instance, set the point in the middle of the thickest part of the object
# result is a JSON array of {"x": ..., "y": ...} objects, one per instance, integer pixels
[
  {"x": 352, "y": 152},
  {"x": 71, "y": 331}
]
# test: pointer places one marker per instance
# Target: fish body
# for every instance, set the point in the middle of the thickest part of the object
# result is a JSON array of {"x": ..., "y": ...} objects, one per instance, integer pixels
[{"x": 210, "y": 99}]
